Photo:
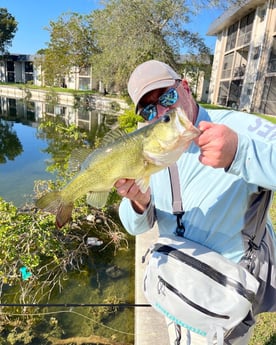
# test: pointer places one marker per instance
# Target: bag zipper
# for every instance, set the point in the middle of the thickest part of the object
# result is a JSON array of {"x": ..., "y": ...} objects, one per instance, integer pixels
[
  {"x": 205, "y": 269},
  {"x": 188, "y": 301}
]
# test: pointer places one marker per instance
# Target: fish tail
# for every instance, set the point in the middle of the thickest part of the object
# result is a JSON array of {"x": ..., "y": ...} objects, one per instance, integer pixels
[{"x": 54, "y": 203}]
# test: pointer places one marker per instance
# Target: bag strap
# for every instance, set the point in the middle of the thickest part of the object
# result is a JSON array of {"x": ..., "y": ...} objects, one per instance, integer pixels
[
  {"x": 175, "y": 187},
  {"x": 254, "y": 241},
  {"x": 176, "y": 198},
  {"x": 260, "y": 203}
]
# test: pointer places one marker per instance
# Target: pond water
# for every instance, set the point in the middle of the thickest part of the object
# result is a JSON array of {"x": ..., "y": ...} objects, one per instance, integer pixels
[
  {"x": 22, "y": 151},
  {"x": 17, "y": 175},
  {"x": 23, "y": 159}
]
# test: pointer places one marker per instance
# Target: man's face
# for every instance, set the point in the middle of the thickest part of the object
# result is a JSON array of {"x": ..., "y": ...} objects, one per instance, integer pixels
[{"x": 156, "y": 103}]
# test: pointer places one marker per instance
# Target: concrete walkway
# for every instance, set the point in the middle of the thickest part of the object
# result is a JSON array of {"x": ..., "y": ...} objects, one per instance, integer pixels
[{"x": 150, "y": 326}]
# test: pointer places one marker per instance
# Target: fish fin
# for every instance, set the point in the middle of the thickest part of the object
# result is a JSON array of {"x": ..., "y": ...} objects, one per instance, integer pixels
[
  {"x": 50, "y": 202},
  {"x": 113, "y": 136},
  {"x": 78, "y": 156},
  {"x": 64, "y": 214},
  {"x": 53, "y": 203},
  {"x": 155, "y": 158},
  {"x": 143, "y": 183},
  {"x": 163, "y": 159},
  {"x": 97, "y": 199}
]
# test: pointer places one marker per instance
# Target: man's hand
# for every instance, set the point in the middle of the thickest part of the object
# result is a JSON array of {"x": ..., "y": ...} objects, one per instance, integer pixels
[
  {"x": 218, "y": 145},
  {"x": 129, "y": 189}
]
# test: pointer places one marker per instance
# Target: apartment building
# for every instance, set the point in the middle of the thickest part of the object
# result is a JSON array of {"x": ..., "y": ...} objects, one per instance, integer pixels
[
  {"x": 17, "y": 68},
  {"x": 244, "y": 67},
  {"x": 20, "y": 68}
]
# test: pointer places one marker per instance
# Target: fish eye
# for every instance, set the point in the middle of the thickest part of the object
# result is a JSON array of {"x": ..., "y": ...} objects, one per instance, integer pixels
[{"x": 166, "y": 118}]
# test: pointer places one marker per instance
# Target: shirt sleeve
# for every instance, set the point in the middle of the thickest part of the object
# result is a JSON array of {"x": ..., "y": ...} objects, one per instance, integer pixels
[
  {"x": 134, "y": 222},
  {"x": 255, "y": 161}
]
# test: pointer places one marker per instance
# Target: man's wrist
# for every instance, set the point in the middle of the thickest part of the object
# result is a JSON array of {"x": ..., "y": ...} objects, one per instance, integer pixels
[{"x": 140, "y": 207}]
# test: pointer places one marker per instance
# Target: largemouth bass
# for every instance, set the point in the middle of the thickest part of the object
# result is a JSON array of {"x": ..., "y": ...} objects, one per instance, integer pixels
[{"x": 133, "y": 156}]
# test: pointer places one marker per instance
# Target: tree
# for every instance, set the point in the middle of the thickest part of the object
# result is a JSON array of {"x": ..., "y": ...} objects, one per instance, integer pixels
[
  {"x": 130, "y": 32},
  {"x": 71, "y": 46},
  {"x": 121, "y": 35},
  {"x": 8, "y": 28},
  {"x": 223, "y": 4}
]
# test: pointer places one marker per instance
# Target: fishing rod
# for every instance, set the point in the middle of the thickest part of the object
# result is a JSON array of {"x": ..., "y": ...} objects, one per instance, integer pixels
[{"x": 74, "y": 305}]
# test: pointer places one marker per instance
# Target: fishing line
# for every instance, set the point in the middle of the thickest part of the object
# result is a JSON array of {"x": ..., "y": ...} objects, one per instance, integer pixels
[
  {"x": 71, "y": 305},
  {"x": 69, "y": 311},
  {"x": 74, "y": 305}
]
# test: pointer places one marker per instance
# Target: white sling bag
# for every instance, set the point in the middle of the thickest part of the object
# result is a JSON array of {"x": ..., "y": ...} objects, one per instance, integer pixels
[{"x": 195, "y": 287}]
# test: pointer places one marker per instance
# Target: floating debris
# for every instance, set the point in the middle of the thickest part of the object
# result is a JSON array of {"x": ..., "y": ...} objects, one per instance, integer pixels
[
  {"x": 25, "y": 273},
  {"x": 93, "y": 242},
  {"x": 90, "y": 218},
  {"x": 114, "y": 272}
]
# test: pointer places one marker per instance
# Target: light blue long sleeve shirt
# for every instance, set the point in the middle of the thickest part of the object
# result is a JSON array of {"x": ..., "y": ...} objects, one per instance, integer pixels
[{"x": 217, "y": 203}]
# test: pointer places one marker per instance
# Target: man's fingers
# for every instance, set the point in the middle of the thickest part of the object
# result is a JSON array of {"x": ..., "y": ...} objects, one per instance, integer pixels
[{"x": 119, "y": 183}]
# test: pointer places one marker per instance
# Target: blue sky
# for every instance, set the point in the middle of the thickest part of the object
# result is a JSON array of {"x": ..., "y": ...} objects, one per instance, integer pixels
[{"x": 34, "y": 15}]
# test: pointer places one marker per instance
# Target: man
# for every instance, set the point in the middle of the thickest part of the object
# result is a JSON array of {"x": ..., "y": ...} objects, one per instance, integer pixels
[{"x": 227, "y": 177}]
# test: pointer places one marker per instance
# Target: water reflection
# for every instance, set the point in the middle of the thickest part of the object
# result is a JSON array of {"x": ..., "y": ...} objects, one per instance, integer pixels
[
  {"x": 25, "y": 151},
  {"x": 81, "y": 112},
  {"x": 10, "y": 145}
]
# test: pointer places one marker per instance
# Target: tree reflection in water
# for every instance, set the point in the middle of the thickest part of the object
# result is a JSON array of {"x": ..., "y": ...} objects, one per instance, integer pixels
[{"x": 10, "y": 145}]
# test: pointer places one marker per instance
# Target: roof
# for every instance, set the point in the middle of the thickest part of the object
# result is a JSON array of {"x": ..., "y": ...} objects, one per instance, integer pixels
[
  {"x": 233, "y": 14},
  {"x": 19, "y": 57}
]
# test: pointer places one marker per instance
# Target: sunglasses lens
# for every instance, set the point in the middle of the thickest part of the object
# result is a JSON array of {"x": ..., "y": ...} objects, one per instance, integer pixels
[
  {"x": 149, "y": 112},
  {"x": 168, "y": 98}
]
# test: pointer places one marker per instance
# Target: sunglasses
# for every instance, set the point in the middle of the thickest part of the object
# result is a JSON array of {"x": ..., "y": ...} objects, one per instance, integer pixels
[{"x": 167, "y": 99}]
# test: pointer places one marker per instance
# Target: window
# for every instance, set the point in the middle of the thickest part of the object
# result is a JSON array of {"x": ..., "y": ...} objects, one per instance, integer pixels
[
  {"x": 227, "y": 66},
  {"x": 272, "y": 58},
  {"x": 28, "y": 77},
  {"x": 12, "y": 107},
  {"x": 11, "y": 78},
  {"x": 85, "y": 71},
  {"x": 31, "y": 111},
  {"x": 223, "y": 93},
  {"x": 49, "y": 108},
  {"x": 10, "y": 66},
  {"x": 234, "y": 93},
  {"x": 246, "y": 25},
  {"x": 232, "y": 36},
  {"x": 268, "y": 103},
  {"x": 59, "y": 110},
  {"x": 241, "y": 58},
  {"x": 29, "y": 67},
  {"x": 84, "y": 83}
]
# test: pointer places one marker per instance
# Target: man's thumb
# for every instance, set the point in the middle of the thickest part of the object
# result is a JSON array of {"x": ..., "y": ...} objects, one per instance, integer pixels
[{"x": 204, "y": 125}]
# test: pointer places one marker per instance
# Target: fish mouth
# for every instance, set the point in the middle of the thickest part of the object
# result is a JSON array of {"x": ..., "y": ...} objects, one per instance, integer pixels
[{"x": 183, "y": 123}]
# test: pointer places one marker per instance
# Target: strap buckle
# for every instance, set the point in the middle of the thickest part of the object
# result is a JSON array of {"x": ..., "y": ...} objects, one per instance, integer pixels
[
  {"x": 180, "y": 229},
  {"x": 252, "y": 244}
]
